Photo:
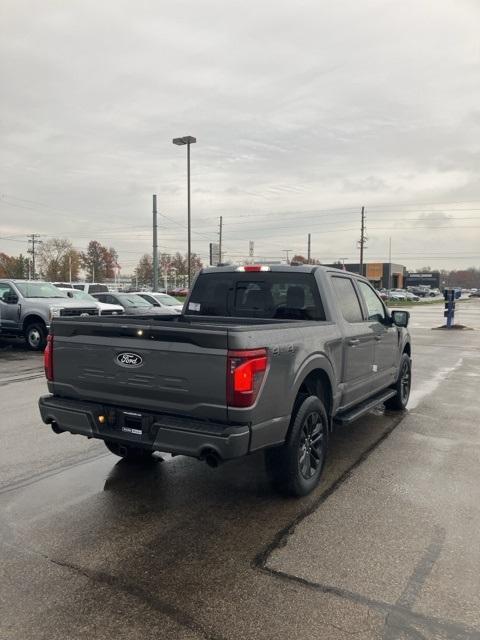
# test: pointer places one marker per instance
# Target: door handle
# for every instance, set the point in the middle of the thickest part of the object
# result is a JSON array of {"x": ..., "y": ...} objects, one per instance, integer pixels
[{"x": 353, "y": 341}]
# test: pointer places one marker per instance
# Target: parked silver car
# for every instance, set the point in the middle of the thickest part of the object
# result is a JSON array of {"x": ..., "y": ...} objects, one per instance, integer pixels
[{"x": 163, "y": 300}]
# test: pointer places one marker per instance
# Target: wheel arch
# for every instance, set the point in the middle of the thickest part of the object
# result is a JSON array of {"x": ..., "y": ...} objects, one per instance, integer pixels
[
  {"x": 317, "y": 383},
  {"x": 317, "y": 378},
  {"x": 32, "y": 318}
]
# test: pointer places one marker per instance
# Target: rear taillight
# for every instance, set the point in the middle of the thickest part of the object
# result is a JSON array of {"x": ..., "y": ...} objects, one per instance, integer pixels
[
  {"x": 48, "y": 358},
  {"x": 245, "y": 373}
]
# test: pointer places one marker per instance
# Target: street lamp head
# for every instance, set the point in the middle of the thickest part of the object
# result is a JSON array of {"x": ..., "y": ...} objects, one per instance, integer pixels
[{"x": 184, "y": 140}]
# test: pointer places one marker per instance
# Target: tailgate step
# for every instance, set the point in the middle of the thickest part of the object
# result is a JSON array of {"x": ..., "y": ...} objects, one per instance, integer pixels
[{"x": 346, "y": 417}]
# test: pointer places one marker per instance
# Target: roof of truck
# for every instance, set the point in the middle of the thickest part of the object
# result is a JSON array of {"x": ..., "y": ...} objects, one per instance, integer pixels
[{"x": 301, "y": 268}]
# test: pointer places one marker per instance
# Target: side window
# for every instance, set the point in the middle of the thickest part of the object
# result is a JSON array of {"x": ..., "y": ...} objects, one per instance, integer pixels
[
  {"x": 375, "y": 308},
  {"x": 5, "y": 290},
  {"x": 347, "y": 299},
  {"x": 100, "y": 298}
]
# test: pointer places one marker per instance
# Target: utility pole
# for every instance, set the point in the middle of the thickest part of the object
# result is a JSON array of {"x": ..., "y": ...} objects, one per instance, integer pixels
[
  {"x": 220, "y": 240},
  {"x": 155, "y": 244},
  {"x": 389, "y": 263},
  {"x": 70, "y": 267},
  {"x": 363, "y": 239},
  {"x": 32, "y": 240},
  {"x": 309, "y": 247},
  {"x": 343, "y": 263}
]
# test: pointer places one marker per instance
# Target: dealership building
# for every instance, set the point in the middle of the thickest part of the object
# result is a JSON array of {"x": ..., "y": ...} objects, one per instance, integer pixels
[
  {"x": 381, "y": 274},
  {"x": 429, "y": 279},
  {"x": 384, "y": 275}
]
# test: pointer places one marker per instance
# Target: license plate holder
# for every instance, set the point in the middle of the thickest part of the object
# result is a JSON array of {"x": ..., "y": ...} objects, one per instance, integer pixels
[{"x": 132, "y": 423}]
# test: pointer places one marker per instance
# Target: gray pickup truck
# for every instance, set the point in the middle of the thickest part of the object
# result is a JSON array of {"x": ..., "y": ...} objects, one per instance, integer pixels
[
  {"x": 27, "y": 308},
  {"x": 263, "y": 357}
]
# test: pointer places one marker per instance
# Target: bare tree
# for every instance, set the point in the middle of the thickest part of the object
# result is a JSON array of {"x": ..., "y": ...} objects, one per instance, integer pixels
[
  {"x": 57, "y": 259},
  {"x": 144, "y": 270}
]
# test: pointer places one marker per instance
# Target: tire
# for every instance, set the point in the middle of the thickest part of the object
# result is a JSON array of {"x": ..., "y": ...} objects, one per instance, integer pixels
[
  {"x": 36, "y": 336},
  {"x": 296, "y": 467},
  {"x": 402, "y": 386},
  {"x": 129, "y": 453}
]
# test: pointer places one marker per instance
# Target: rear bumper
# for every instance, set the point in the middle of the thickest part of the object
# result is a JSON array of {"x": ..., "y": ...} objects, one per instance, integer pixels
[{"x": 156, "y": 432}]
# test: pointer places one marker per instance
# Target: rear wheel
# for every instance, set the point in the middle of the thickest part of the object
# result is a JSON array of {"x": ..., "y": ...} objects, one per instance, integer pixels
[
  {"x": 402, "y": 385},
  {"x": 296, "y": 467},
  {"x": 129, "y": 453},
  {"x": 36, "y": 336}
]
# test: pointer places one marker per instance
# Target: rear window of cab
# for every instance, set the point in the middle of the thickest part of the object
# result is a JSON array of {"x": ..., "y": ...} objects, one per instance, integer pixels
[{"x": 274, "y": 295}]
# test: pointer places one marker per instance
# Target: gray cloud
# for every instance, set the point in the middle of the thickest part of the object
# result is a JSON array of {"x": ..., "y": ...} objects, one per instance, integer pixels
[{"x": 297, "y": 107}]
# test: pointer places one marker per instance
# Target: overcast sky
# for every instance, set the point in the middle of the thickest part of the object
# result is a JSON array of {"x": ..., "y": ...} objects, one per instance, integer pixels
[{"x": 303, "y": 110}]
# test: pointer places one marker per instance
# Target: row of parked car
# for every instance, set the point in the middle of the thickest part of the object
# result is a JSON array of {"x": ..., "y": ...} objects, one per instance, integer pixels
[
  {"x": 118, "y": 302},
  {"x": 27, "y": 307},
  {"x": 413, "y": 294}
]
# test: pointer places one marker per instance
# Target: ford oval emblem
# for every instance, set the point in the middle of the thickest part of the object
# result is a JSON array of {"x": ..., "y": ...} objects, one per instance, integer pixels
[{"x": 128, "y": 359}]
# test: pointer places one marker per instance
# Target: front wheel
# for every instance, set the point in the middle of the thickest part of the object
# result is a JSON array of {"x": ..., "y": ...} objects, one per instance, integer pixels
[
  {"x": 402, "y": 386},
  {"x": 129, "y": 453},
  {"x": 36, "y": 336},
  {"x": 296, "y": 467}
]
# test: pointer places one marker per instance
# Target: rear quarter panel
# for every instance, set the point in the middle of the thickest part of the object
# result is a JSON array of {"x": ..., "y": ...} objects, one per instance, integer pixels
[{"x": 294, "y": 350}]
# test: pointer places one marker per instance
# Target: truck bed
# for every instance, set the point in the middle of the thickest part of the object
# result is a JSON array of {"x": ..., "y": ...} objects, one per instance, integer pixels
[{"x": 183, "y": 359}]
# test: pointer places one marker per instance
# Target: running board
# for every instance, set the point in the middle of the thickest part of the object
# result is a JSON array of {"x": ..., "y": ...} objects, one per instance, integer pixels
[{"x": 347, "y": 417}]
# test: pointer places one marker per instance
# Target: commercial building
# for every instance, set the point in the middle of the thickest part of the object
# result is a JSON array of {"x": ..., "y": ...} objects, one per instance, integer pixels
[
  {"x": 382, "y": 275},
  {"x": 429, "y": 279}
]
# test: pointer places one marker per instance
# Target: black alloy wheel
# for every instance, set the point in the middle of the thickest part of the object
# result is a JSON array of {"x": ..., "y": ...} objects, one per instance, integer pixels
[
  {"x": 295, "y": 468},
  {"x": 311, "y": 451},
  {"x": 402, "y": 386}
]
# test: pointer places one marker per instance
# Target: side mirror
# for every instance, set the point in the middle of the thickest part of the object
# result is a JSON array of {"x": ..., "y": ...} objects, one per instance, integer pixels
[
  {"x": 10, "y": 298},
  {"x": 400, "y": 318}
]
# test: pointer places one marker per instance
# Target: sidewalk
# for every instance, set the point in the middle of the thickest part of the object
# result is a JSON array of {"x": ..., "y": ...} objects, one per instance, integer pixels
[{"x": 401, "y": 535}]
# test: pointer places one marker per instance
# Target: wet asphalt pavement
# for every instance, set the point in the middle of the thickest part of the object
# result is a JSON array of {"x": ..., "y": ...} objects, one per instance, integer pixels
[{"x": 387, "y": 547}]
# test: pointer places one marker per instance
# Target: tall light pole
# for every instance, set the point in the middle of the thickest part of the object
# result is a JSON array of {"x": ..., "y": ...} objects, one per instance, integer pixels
[{"x": 188, "y": 140}]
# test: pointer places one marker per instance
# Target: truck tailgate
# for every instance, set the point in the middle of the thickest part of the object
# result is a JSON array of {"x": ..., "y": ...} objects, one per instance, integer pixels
[{"x": 177, "y": 369}]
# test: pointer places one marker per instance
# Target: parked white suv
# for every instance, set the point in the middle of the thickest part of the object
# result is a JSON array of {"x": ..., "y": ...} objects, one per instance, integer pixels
[
  {"x": 104, "y": 308},
  {"x": 88, "y": 287}
]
